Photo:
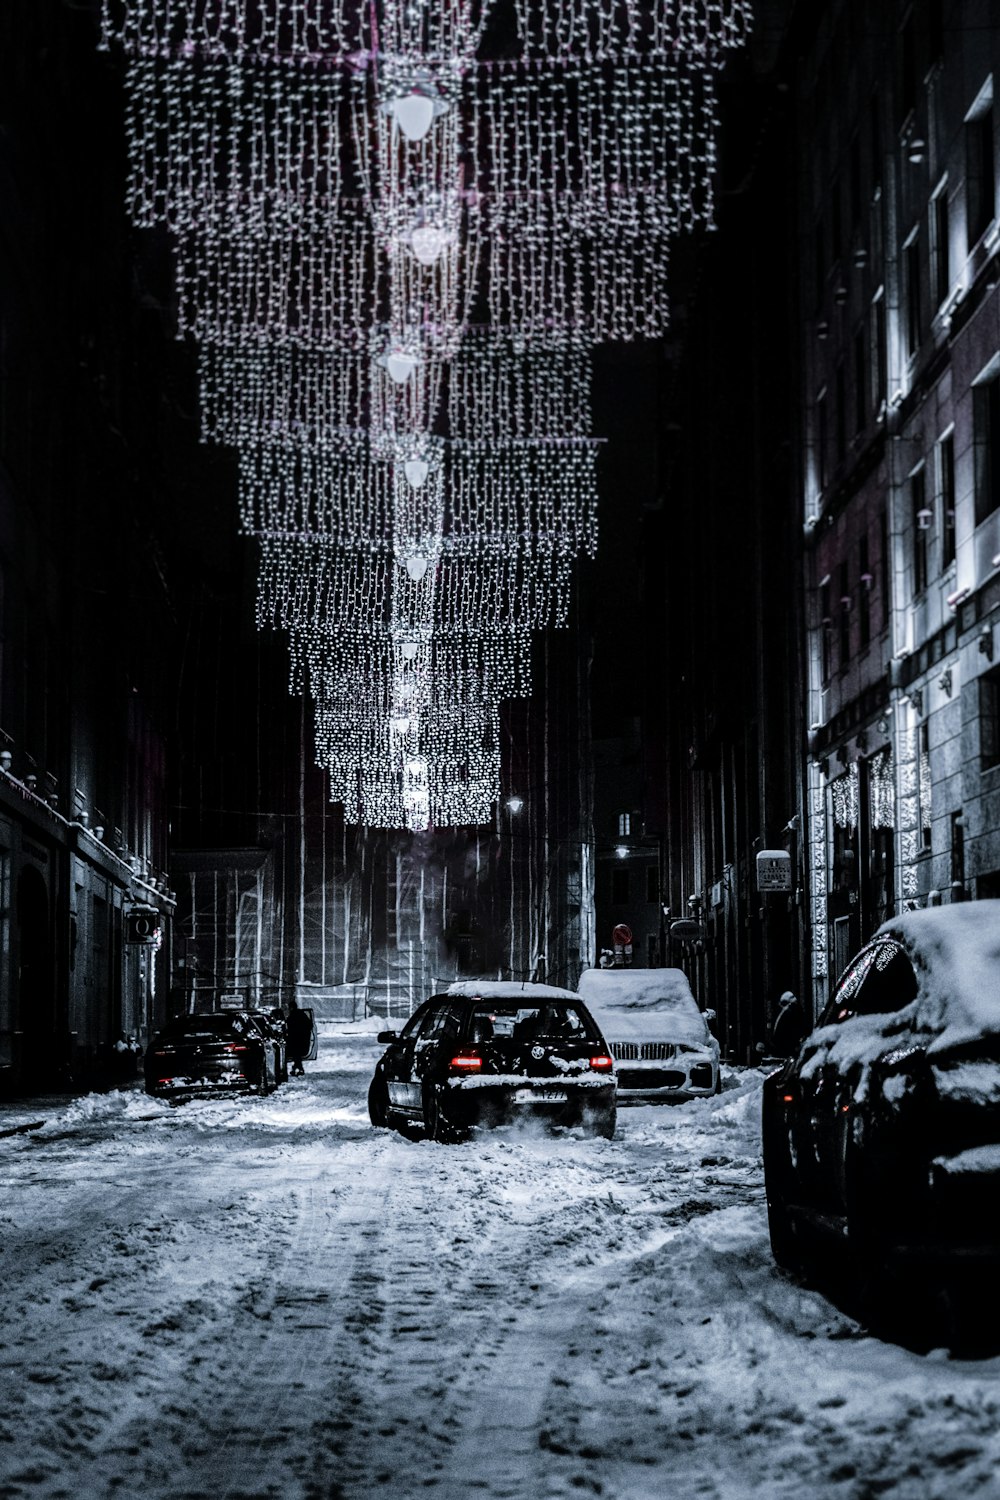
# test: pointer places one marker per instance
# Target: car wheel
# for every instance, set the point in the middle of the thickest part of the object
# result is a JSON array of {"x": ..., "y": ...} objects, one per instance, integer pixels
[
  {"x": 263, "y": 1082},
  {"x": 785, "y": 1244},
  {"x": 601, "y": 1122},
  {"x": 378, "y": 1103},
  {"x": 436, "y": 1127}
]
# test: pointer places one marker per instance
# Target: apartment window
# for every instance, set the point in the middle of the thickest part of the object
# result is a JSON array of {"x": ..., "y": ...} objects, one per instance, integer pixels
[
  {"x": 980, "y": 187},
  {"x": 826, "y": 627},
  {"x": 935, "y": 30},
  {"x": 920, "y": 518},
  {"x": 989, "y": 719},
  {"x": 879, "y": 366},
  {"x": 907, "y": 68},
  {"x": 942, "y": 262},
  {"x": 860, "y": 378},
  {"x": 624, "y": 825},
  {"x": 820, "y": 260},
  {"x": 958, "y": 848},
  {"x": 885, "y": 566},
  {"x": 986, "y": 446},
  {"x": 875, "y": 139},
  {"x": 946, "y": 476},
  {"x": 844, "y": 616},
  {"x": 924, "y": 783},
  {"x": 864, "y": 594},
  {"x": 821, "y": 440},
  {"x": 652, "y": 884},
  {"x": 911, "y": 271},
  {"x": 854, "y": 183},
  {"x": 619, "y": 886}
]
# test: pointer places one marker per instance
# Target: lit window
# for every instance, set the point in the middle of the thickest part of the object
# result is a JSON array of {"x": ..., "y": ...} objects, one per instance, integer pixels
[
  {"x": 986, "y": 446},
  {"x": 624, "y": 825},
  {"x": 980, "y": 187}
]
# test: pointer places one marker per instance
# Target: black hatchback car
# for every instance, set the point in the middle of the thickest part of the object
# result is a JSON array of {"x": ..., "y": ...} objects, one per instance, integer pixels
[
  {"x": 881, "y": 1138},
  {"x": 493, "y": 1053},
  {"x": 215, "y": 1053}
]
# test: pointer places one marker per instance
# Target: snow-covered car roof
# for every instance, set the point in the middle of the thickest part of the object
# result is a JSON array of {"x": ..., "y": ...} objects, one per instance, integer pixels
[
  {"x": 510, "y": 989},
  {"x": 643, "y": 1004},
  {"x": 956, "y": 953}
]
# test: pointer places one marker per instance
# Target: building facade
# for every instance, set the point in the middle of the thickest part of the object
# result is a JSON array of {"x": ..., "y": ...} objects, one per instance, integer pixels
[
  {"x": 85, "y": 613},
  {"x": 899, "y": 256}
]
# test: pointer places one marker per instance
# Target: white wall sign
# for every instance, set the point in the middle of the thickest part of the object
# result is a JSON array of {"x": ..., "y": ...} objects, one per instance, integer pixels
[{"x": 774, "y": 870}]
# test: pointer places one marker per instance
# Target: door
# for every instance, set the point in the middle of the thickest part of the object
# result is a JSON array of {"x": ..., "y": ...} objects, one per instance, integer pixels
[{"x": 403, "y": 1092}]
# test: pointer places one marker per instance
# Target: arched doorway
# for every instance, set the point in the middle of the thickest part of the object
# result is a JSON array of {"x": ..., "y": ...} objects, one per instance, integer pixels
[{"x": 36, "y": 1019}]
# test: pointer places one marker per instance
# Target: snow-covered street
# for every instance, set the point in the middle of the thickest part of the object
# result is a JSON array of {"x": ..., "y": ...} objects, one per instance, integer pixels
[{"x": 267, "y": 1297}]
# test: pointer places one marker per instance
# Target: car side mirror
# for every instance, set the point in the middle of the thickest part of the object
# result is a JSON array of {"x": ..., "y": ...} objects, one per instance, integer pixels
[{"x": 386, "y": 1036}]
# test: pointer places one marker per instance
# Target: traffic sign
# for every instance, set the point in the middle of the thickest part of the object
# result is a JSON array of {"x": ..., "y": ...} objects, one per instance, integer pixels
[{"x": 622, "y": 935}]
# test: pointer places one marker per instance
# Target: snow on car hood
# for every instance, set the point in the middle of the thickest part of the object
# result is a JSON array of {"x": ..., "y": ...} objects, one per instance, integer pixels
[{"x": 644, "y": 1005}]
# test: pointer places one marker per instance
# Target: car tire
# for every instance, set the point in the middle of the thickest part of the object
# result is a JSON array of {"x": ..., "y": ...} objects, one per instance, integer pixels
[
  {"x": 602, "y": 1122},
  {"x": 378, "y": 1103},
  {"x": 786, "y": 1246},
  {"x": 436, "y": 1127},
  {"x": 263, "y": 1084}
]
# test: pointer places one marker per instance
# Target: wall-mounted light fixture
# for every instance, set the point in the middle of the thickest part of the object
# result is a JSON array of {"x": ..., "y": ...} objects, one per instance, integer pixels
[
  {"x": 514, "y": 804},
  {"x": 621, "y": 851},
  {"x": 924, "y": 519}
]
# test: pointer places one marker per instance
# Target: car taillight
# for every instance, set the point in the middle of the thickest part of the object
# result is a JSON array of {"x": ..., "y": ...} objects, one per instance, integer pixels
[
  {"x": 235, "y": 1047},
  {"x": 466, "y": 1062},
  {"x": 601, "y": 1062}
]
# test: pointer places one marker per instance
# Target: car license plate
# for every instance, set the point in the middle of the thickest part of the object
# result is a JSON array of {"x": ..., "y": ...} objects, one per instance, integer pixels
[{"x": 540, "y": 1096}]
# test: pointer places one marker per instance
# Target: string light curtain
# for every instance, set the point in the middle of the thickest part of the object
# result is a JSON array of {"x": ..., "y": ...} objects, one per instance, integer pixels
[{"x": 400, "y": 227}]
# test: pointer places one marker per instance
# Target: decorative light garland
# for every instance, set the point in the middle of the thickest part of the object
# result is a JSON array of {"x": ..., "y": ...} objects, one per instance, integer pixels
[{"x": 353, "y": 187}]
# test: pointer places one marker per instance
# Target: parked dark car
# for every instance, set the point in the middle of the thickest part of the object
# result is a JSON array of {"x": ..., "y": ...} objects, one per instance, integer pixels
[
  {"x": 216, "y": 1053},
  {"x": 492, "y": 1053},
  {"x": 881, "y": 1136}
]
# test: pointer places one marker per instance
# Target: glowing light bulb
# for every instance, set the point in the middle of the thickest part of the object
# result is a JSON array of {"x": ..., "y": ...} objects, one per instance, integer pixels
[
  {"x": 427, "y": 242},
  {"x": 401, "y": 365},
  {"x": 415, "y": 565},
  {"x": 408, "y": 650},
  {"x": 414, "y": 114},
  {"x": 416, "y": 471}
]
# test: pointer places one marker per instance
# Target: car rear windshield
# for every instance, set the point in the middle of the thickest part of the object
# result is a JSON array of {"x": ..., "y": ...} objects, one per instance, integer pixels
[
  {"x": 551, "y": 1022},
  {"x": 210, "y": 1027}
]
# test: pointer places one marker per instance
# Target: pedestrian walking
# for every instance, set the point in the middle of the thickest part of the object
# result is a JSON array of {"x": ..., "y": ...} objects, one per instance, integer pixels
[
  {"x": 789, "y": 1026},
  {"x": 300, "y": 1035}
]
